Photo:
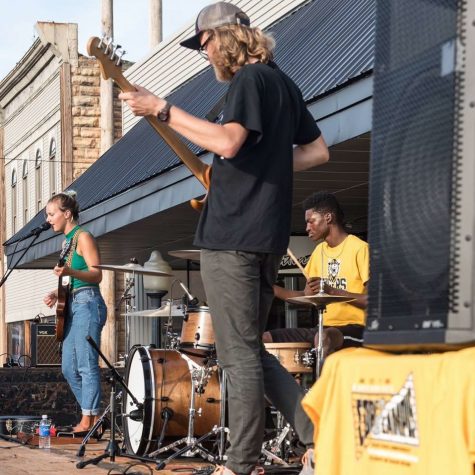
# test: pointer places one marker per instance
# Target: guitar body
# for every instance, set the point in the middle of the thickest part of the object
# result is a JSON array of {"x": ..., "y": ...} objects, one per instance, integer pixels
[
  {"x": 63, "y": 295},
  {"x": 61, "y": 309}
]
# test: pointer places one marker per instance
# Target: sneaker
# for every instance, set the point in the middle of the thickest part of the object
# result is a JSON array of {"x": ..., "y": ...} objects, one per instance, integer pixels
[
  {"x": 308, "y": 461},
  {"x": 221, "y": 470}
]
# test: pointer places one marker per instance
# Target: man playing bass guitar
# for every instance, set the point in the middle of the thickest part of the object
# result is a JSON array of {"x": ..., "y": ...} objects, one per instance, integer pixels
[{"x": 245, "y": 224}]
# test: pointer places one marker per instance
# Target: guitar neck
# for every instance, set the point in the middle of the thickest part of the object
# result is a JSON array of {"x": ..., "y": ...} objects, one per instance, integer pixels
[{"x": 199, "y": 169}]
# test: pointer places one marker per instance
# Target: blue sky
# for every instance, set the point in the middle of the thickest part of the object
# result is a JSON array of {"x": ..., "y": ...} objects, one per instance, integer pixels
[{"x": 18, "y": 17}]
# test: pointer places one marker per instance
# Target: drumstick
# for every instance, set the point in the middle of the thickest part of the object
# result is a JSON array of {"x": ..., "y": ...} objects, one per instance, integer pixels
[{"x": 297, "y": 263}]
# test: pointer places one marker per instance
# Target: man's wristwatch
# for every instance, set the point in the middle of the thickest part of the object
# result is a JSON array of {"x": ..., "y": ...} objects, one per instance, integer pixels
[{"x": 164, "y": 113}]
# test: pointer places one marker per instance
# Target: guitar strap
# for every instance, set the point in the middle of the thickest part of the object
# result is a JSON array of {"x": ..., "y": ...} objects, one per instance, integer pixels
[
  {"x": 72, "y": 251},
  {"x": 214, "y": 113}
]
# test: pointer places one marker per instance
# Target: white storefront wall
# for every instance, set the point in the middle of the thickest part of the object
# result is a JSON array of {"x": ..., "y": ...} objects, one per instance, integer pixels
[{"x": 32, "y": 120}]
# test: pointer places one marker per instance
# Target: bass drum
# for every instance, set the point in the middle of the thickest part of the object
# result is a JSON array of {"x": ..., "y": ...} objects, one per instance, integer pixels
[{"x": 161, "y": 379}]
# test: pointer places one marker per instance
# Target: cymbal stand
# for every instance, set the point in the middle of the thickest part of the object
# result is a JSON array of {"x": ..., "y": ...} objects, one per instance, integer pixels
[
  {"x": 319, "y": 350},
  {"x": 321, "y": 308},
  {"x": 199, "y": 377},
  {"x": 127, "y": 297}
]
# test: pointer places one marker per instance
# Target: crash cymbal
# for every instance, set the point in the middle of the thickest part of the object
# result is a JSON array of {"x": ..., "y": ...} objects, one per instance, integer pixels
[
  {"x": 132, "y": 268},
  {"x": 162, "y": 312},
  {"x": 189, "y": 255},
  {"x": 319, "y": 299}
]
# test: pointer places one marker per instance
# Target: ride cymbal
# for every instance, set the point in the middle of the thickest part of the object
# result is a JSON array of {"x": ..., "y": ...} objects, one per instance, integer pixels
[
  {"x": 132, "y": 269},
  {"x": 319, "y": 299},
  {"x": 189, "y": 254}
]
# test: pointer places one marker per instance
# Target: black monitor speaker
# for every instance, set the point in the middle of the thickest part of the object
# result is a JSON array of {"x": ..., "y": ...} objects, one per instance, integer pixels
[{"x": 422, "y": 176}]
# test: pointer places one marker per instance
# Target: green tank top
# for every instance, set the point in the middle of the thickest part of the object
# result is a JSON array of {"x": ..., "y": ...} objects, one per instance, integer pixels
[{"x": 78, "y": 263}]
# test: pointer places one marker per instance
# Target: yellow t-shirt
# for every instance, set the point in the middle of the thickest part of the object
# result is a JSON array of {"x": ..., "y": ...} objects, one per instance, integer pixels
[
  {"x": 377, "y": 413},
  {"x": 346, "y": 267}
]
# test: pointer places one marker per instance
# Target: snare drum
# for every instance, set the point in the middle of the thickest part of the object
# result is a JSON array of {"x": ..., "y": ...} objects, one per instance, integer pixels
[
  {"x": 292, "y": 356},
  {"x": 197, "y": 331},
  {"x": 161, "y": 379}
]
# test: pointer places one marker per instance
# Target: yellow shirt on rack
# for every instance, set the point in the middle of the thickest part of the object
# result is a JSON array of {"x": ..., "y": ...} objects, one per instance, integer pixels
[
  {"x": 346, "y": 267},
  {"x": 378, "y": 413}
]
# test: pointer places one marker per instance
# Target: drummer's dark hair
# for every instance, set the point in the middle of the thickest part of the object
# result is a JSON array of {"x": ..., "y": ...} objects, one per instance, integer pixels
[{"x": 324, "y": 202}]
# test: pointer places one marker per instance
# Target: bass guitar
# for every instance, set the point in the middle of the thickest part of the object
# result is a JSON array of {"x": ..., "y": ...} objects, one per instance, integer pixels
[
  {"x": 110, "y": 62},
  {"x": 63, "y": 295}
]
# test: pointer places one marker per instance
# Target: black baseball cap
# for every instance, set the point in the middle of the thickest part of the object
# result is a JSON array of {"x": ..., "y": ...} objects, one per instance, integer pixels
[{"x": 213, "y": 16}]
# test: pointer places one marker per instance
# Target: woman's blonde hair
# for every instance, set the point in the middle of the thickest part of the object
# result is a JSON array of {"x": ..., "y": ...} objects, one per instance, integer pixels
[
  {"x": 67, "y": 201},
  {"x": 236, "y": 45}
]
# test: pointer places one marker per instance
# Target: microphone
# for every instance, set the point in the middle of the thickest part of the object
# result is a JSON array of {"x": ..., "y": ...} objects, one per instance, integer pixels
[
  {"x": 37, "y": 231},
  {"x": 136, "y": 415},
  {"x": 191, "y": 300}
]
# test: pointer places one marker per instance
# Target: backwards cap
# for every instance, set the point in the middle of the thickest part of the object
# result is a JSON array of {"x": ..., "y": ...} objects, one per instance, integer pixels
[{"x": 213, "y": 16}]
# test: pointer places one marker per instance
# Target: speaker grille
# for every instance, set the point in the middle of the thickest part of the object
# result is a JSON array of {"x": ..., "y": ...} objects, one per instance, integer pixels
[
  {"x": 412, "y": 169},
  {"x": 45, "y": 348}
]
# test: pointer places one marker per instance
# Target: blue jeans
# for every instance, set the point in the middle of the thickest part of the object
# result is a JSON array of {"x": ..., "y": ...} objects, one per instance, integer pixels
[{"x": 87, "y": 315}]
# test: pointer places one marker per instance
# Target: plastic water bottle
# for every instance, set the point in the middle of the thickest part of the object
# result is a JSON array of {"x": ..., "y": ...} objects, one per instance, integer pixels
[{"x": 45, "y": 438}]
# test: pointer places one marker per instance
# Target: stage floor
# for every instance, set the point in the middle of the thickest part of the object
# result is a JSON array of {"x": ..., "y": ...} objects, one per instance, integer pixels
[{"x": 16, "y": 459}]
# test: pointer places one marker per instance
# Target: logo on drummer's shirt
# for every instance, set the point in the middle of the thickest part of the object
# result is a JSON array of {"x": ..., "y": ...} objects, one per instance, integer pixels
[
  {"x": 385, "y": 420},
  {"x": 333, "y": 270}
]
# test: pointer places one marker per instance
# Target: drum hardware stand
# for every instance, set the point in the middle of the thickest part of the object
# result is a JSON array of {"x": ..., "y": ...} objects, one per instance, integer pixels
[
  {"x": 112, "y": 448},
  {"x": 95, "y": 427},
  {"x": 193, "y": 445},
  {"x": 127, "y": 297},
  {"x": 319, "y": 350},
  {"x": 271, "y": 447}
]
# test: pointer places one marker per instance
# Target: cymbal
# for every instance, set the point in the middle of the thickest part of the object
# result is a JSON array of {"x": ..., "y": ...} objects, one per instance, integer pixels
[
  {"x": 162, "y": 312},
  {"x": 189, "y": 255},
  {"x": 132, "y": 268},
  {"x": 319, "y": 300}
]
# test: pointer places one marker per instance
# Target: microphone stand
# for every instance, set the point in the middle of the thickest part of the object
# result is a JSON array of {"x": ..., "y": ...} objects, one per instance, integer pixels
[
  {"x": 11, "y": 269},
  {"x": 112, "y": 448}
]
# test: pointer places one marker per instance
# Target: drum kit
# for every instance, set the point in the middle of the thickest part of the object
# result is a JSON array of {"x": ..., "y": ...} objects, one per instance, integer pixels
[{"x": 177, "y": 394}]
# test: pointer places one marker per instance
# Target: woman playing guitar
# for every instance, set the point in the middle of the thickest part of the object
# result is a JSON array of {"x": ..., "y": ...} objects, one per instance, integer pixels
[{"x": 85, "y": 308}]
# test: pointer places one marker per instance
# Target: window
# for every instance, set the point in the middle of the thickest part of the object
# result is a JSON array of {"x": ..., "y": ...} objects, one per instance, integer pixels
[
  {"x": 52, "y": 167},
  {"x": 25, "y": 191},
  {"x": 14, "y": 202},
  {"x": 38, "y": 181}
]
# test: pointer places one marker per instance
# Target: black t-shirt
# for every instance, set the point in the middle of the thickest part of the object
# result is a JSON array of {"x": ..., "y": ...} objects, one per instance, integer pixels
[{"x": 250, "y": 196}]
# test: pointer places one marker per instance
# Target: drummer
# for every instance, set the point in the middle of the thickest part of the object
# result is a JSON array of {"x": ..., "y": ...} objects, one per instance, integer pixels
[{"x": 342, "y": 260}]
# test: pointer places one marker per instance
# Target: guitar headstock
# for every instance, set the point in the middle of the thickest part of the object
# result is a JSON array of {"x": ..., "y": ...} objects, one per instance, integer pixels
[{"x": 109, "y": 56}]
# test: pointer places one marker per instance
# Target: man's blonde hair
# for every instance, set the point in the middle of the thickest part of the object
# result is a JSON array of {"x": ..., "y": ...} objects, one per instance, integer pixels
[{"x": 236, "y": 45}]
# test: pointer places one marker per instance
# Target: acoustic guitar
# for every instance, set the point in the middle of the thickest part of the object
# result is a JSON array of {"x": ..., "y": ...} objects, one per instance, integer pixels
[
  {"x": 110, "y": 62},
  {"x": 63, "y": 295}
]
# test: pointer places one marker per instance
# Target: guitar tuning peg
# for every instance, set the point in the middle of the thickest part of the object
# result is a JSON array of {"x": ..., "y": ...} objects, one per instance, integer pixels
[
  {"x": 116, "y": 47},
  {"x": 109, "y": 44},
  {"x": 119, "y": 57}
]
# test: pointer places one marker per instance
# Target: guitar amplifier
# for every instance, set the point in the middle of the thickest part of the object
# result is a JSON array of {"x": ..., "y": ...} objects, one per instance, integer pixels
[{"x": 44, "y": 347}]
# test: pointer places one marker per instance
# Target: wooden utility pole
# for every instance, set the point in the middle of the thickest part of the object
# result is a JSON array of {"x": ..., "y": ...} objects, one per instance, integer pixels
[
  {"x": 3, "y": 326},
  {"x": 109, "y": 336},
  {"x": 155, "y": 23}
]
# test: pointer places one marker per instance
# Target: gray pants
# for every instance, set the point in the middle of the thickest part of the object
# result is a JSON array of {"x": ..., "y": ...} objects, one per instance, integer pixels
[{"x": 239, "y": 290}]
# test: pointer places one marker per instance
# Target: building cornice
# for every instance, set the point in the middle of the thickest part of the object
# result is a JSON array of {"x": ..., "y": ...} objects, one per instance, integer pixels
[{"x": 25, "y": 71}]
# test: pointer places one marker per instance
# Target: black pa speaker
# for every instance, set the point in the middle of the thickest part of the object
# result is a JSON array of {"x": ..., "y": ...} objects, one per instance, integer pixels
[
  {"x": 421, "y": 207},
  {"x": 44, "y": 346}
]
